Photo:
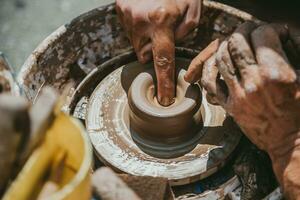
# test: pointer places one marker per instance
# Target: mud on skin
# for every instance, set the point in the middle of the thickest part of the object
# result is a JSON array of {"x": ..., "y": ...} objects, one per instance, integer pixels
[
  {"x": 265, "y": 76},
  {"x": 150, "y": 28}
]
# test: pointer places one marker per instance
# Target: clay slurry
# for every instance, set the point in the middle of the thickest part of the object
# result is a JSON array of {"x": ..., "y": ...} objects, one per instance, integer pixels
[{"x": 108, "y": 126}]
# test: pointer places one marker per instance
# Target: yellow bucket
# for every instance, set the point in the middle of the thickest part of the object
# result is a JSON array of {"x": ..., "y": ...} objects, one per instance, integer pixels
[{"x": 65, "y": 136}]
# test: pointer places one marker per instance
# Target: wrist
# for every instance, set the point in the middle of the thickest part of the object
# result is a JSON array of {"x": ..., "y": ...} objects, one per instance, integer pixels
[
  {"x": 286, "y": 165},
  {"x": 282, "y": 131}
]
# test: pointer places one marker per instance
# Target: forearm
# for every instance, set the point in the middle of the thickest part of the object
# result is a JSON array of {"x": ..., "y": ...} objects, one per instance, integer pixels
[{"x": 286, "y": 165}]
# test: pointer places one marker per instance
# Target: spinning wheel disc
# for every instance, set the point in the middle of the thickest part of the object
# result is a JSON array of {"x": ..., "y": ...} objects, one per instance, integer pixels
[{"x": 108, "y": 127}]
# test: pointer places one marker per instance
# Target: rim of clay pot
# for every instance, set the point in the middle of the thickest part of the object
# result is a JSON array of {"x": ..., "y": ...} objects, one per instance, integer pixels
[
  {"x": 164, "y": 132},
  {"x": 139, "y": 102}
]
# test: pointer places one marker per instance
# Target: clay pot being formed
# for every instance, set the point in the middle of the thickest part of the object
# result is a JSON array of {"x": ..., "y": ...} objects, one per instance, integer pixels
[{"x": 152, "y": 123}]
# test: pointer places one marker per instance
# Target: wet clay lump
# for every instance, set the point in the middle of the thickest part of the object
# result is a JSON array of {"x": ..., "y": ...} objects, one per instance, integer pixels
[{"x": 172, "y": 124}]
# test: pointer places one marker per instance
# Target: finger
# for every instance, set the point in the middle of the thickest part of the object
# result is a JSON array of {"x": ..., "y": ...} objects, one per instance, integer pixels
[
  {"x": 273, "y": 64},
  {"x": 243, "y": 57},
  {"x": 226, "y": 69},
  {"x": 163, "y": 49},
  {"x": 140, "y": 37},
  {"x": 142, "y": 47},
  {"x": 270, "y": 55},
  {"x": 194, "y": 72},
  {"x": 290, "y": 42},
  {"x": 119, "y": 5},
  {"x": 146, "y": 53},
  {"x": 125, "y": 17},
  {"x": 281, "y": 30},
  {"x": 190, "y": 21},
  {"x": 120, "y": 14},
  {"x": 210, "y": 82}
]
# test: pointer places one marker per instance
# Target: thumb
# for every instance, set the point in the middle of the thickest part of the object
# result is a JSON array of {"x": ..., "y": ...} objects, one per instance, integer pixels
[{"x": 194, "y": 72}]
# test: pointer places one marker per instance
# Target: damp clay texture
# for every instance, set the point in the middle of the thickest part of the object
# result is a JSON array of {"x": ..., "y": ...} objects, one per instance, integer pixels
[
  {"x": 153, "y": 125},
  {"x": 132, "y": 132},
  {"x": 92, "y": 52}
]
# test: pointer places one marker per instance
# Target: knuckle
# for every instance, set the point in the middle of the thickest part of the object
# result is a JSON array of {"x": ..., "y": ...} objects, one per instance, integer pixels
[
  {"x": 163, "y": 15},
  {"x": 274, "y": 75},
  {"x": 158, "y": 15},
  {"x": 137, "y": 18},
  {"x": 250, "y": 87},
  {"x": 163, "y": 61}
]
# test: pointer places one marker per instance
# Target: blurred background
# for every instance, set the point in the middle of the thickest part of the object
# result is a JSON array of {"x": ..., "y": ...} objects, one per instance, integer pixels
[{"x": 25, "y": 23}]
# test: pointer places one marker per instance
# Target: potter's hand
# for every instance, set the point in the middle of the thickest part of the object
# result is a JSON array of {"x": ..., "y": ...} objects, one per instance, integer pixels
[
  {"x": 152, "y": 26},
  {"x": 260, "y": 90}
]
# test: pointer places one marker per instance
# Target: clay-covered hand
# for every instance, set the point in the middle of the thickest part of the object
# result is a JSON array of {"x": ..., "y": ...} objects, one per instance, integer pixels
[
  {"x": 152, "y": 27},
  {"x": 251, "y": 77}
]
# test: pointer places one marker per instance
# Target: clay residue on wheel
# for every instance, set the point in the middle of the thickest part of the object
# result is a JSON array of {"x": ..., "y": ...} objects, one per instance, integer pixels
[{"x": 108, "y": 127}]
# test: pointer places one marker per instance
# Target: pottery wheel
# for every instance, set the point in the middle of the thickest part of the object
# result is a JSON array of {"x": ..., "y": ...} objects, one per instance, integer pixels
[{"x": 108, "y": 126}]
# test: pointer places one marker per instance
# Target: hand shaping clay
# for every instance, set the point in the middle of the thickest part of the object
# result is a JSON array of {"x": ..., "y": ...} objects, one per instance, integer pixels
[
  {"x": 189, "y": 159},
  {"x": 152, "y": 122}
]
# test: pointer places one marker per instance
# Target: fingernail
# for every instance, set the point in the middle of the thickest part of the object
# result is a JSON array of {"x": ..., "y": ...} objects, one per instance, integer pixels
[
  {"x": 141, "y": 59},
  {"x": 144, "y": 58},
  {"x": 147, "y": 56},
  {"x": 188, "y": 78},
  {"x": 165, "y": 101}
]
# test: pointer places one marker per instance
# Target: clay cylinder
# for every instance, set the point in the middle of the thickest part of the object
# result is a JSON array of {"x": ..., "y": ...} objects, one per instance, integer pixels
[{"x": 168, "y": 125}]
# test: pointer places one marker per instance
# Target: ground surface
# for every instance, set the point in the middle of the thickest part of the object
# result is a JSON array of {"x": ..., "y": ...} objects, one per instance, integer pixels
[{"x": 25, "y": 23}]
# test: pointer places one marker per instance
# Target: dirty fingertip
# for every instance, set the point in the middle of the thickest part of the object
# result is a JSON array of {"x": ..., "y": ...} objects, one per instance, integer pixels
[
  {"x": 216, "y": 43},
  {"x": 145, "y": 54},
  {"x": 144, "y": 57},
  {"x": 188, "y": 77},
  {"x": 213, "y": 46},
  {"x": 165, "y": 101}
]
